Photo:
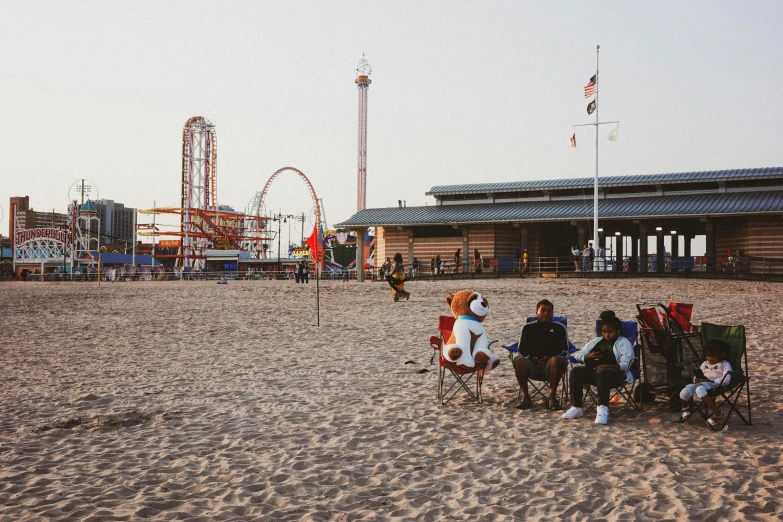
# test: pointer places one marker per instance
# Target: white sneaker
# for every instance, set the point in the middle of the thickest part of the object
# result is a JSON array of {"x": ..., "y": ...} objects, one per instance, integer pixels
[
  {"x": 574, "y": 413},
  {"x": 602, "y": 416}
]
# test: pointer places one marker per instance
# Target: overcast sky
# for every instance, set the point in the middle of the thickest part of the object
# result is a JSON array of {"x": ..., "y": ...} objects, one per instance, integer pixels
[{"x": 461, "y": 92}]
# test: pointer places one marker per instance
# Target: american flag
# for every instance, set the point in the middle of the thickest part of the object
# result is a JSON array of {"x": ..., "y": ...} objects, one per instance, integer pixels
[{"x": 590, "y": 88}]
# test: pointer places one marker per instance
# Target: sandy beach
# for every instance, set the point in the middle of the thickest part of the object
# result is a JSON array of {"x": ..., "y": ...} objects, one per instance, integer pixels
[{"x": 197, "y": 401}]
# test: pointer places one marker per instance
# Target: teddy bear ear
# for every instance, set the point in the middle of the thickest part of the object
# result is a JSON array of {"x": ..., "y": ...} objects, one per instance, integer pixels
[{"x": 449, "y": 299}]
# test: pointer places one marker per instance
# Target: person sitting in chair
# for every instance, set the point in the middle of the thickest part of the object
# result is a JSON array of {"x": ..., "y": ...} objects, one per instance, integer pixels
[
  {"x": 542, "y": 344},
  {"x": 712, "y": 373},
  {"x": 607, "y": 360}
]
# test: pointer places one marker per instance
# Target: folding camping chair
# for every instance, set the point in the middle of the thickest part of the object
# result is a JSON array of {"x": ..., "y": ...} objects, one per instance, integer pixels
[
  {"x": 730, "y": 394},
  {"x": 451, "y": 378},
  {"x": 542, "y": 387},
  {"x": 669, "y": 350},
  {"x": 626, "y": 390}
]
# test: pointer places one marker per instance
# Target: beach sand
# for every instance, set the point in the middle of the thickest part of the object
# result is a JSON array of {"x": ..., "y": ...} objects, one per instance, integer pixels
[{"x": 197, "y": 401}]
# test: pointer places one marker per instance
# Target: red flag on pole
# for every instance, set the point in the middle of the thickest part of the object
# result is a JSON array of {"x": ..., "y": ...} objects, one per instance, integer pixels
[{"x": 313, "y": 242}]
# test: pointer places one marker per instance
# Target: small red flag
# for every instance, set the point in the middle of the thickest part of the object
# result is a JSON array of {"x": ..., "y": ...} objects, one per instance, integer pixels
[{"x": 313, "y": 242}]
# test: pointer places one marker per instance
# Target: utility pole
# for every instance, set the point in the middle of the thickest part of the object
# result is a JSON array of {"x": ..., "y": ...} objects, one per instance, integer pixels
[
  {"x": 284, "y": 218},
  {"x": 301, "y": 218}
]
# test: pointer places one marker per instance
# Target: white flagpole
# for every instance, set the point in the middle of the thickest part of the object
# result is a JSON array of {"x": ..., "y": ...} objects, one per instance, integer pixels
[
  {"x": 596, "y": 124},
  {"x": 595, "y": 184}
]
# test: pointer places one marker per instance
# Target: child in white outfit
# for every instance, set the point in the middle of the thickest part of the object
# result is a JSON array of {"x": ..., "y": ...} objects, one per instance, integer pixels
[{"x": 716, "y": 373}]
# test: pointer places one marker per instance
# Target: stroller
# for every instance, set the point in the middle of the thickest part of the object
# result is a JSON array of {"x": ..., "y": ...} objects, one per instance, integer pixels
[{"x": 670, "y": 349}]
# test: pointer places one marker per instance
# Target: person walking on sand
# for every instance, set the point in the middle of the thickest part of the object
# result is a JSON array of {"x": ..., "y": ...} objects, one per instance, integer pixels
[
  {"x": 575, "y": 252},
  {"x": 396, "y": 279},
  {"x": 438, "y": 264}
]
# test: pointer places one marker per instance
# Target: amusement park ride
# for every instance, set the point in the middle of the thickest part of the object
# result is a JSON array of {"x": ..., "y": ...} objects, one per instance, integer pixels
[
  {"x": 203, "y": 224},
  {"x": 363, "y": 72}
]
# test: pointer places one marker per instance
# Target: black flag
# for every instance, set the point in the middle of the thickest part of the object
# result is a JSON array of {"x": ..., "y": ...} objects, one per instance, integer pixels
[{"x": 591, "y": 107}]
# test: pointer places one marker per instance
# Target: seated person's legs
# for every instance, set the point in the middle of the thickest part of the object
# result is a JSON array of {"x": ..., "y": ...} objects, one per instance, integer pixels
[
  {"x": 580, "y": 375},
  {"x": 523, "y": 368},
  {"x": 605, "y": 380},
  {"x": 702, "y": 392},
  {"x": 554, "y": 368},
  {"x": 526, "y": 369},
  {"x": 687, "y": 393}
]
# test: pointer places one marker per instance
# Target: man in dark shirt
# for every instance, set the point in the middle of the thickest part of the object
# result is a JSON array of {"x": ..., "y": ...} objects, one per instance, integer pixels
[
  {"x": 541, "y": 348},
  {"x": 592, "y": 257}
]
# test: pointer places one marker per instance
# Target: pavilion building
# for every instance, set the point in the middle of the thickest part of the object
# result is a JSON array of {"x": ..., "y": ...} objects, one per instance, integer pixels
[{"x": 742, "y": 209}]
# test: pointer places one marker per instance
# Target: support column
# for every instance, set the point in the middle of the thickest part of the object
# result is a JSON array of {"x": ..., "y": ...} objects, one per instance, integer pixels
[
  {"x": 523, "y": 242},
  {"x": 642, "y": 260},
  {"x": 659, "y": 248},
  {"x": 687, "y": 245},
  {"x": 409, "y": 263},
  {"x": 466, "y": 256},
  {"x": 618, "y": 253},
  {"x": 634, "y": 257},
  {"x": 710, "y": 246},
  {"x": 360, "y": 254},
  {"x": 675, "y": 245}
]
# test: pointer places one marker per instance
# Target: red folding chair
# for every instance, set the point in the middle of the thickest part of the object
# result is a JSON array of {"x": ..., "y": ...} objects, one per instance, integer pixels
[
  {"x": 451, "y": 378},
  {"x": 682, "y": 313}
]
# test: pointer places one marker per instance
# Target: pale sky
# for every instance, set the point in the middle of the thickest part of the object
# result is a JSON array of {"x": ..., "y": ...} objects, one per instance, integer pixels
[{"x": 462, "y": 92}]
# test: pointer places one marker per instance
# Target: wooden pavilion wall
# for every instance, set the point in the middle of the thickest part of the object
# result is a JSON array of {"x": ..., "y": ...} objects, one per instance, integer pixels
[{"x": 760, "y": 236}]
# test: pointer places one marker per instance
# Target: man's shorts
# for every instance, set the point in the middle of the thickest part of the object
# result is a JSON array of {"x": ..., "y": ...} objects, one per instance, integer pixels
[{"x": 540, "y": 372}]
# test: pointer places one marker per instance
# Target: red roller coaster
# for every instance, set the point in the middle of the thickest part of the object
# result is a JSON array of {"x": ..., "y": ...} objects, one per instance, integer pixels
[
  {"x": 256, "y": 225},
  {"x": 203, "y": 225}
]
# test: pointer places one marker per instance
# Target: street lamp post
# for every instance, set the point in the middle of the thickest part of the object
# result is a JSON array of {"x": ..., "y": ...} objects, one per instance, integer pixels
[{"x": 284, "y": 218}]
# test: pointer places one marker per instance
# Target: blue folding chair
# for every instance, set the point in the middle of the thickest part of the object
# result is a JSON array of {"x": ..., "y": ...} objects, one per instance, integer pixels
[
  {"x": 626, "y": 390},
  {"x": 543, "y": 390}
]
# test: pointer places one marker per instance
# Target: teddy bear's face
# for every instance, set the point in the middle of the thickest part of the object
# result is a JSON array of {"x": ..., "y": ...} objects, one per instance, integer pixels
[{"x": 467, "y": 302}]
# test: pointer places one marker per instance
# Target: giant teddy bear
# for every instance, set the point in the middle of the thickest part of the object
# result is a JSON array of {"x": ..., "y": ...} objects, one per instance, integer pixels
[{"x": 468, "y": 347}]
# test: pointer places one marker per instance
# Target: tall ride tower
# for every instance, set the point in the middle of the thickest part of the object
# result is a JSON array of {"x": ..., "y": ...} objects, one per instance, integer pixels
[
  {"x": 199, "y": 189},
  {"x": 363, "y": 72}
]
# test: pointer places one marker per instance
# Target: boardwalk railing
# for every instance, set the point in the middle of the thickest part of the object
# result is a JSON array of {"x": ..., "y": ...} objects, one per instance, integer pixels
[{"x": 563, "y": 266}]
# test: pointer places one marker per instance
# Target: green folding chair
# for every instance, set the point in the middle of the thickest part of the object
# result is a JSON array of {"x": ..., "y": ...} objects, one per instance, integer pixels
[{"x": 730, "y": 394}]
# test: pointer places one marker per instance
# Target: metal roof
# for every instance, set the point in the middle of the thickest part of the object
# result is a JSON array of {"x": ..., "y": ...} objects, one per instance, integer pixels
[
  {"x": 713, "y": 204},
  {"x": 609, "y": 181}
]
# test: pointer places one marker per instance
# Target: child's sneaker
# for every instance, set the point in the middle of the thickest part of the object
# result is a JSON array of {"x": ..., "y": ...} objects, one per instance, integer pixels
[
  {"x": 574, "y": 413},
  {"x": 602, "y": 416},
  {"x": 686, "y": 414}
]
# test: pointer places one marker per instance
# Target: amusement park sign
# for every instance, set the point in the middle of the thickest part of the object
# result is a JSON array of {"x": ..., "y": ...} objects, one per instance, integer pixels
[
  {"x": 42, "y": 244},
  {"x": 35, "y": 234}
]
